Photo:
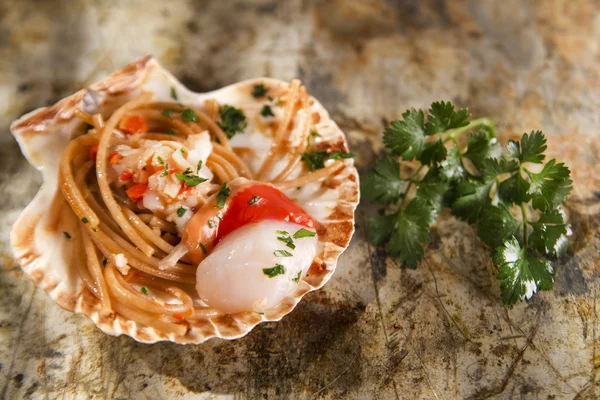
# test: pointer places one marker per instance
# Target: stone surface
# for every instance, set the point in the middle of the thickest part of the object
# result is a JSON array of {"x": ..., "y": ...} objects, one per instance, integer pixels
[{"x": 376, "y": 330}]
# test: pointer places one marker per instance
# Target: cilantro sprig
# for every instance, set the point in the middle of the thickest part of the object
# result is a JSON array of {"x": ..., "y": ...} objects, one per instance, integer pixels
[{"x": 513, "y": 200}]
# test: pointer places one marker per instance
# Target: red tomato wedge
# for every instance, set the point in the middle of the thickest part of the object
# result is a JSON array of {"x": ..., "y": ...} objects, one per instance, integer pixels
[
  {"x": 134, "y": 124},
  {"x": 260, "y": 202},
  {"x": 136, "y": 192}
]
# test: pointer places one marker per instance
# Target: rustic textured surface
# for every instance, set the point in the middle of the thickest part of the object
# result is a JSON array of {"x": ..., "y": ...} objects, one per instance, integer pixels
[{"x": 376, "y": 330}]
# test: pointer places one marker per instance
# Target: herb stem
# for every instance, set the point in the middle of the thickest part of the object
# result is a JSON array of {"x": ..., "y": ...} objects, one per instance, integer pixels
[
  {"x": 411, "y": 180},
  {"x": 473, "y": 124}
]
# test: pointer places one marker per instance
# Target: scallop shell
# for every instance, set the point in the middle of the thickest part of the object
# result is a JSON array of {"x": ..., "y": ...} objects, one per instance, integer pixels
[{"x": 37, "y": 237}]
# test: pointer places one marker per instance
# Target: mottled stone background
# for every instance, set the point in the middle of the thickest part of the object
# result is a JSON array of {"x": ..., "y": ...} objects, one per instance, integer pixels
[{"x": 376, "y": 330}]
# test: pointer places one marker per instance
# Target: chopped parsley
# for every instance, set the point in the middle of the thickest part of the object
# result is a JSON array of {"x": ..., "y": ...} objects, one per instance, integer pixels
[
  {"x": 182, "y": 150},
  {"x": 84, "y": 220},
  {"x": 67, "y": 235},
  {"x": 144, "y": 290},
  {"x": 288, "y": 241},
  {"x": 302, "y": 233},
  {"x": 340, "y": 154},
  {"x": 160, "y": 160},
  {"x": 189, "y": 115},
  {"x": 181, "y": 211},
  {"x": 211, "y": 224},
  {"x": 254, "y": 200},
  {"x": 282, "y": 253},
  {"x": 168, "y": 112},
  {"x": 202, "y": 247},
  {"x": 171, "y": 132},
  {"x": 282, "y": 232},
  {"x": 315, "y": 159},
  {"x": 266, "y": 111},
  {"x": 278, "y": 269},
  {"x": 222, "y": 196},
  {"x": 174, "y": 94},
  {"x": 297, "y": 278},
  {"x": 233, "y": 120},
  {"x": 166, "y": 170},
  {"x": 199, "y": 167},
  {"x": 189, "y": 179},
  {"x": 259, "y": 90}
]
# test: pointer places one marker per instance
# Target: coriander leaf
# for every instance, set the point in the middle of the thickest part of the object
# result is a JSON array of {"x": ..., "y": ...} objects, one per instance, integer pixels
[
  {"x": 550, "y": 187},
  {"x": 514, "y": 189},
  {"x": 530, "y": 149},
  {"x": 287, "y": 240},
  {"x": 481, "y": 146},
  {"x": 199, "y": 166},
  {"x": 381, "y": 228},
  {"x": 442, "y": 117},
  {"x": 254, "y": 200},
  {"x": 297, "y": 278},
  {"x": 451, "y": 168},
  {"x": 410, "y": 232},
  {"x": 181, "y": 211},
  {"x": 473, "y": 198},
  {"x": 266, "y": 111},
  {"x": 144, "y": 290},
  {"x": 233, "y": 120},
  {"x": 340, "y": 155},
  {"x": 278, "y": 269},
  {"x": 166, "y": 170},
  {"x": 167, "y": 112},
  {"x": 549, "y": 234},
  {"x": 522, "y": 275},
  {"x": 200, "y": 245},
  {"x": 84, "y": 220},
  {"x": 173, "y": 93},
  {"x": 315, "y": 159},
  {"x": 67, "y": 235},
  {"x": 222, "y": 196},
  {"x": 492, "y": 168},
  {"x": 383, "y": 184},
  {"x": 496, "y": 225},
  {"x": 259, "y": 90},
  {"x": 189, "y": 115},
  {"x": 406, "y": 137},
  {"x": 302, "y": 233},
  {"x": 190, "y": 180},
  {"x": 433, "y": 152},
  {"x": 432, "y": 189}
]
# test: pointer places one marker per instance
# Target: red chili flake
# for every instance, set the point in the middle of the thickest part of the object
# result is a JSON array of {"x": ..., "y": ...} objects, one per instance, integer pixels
[
  {"x": 93, "y": 152},
  {"x": 126, "y": 175}
]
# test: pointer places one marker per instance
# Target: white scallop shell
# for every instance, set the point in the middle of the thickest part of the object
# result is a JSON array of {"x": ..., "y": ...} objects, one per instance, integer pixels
[{"x": 44, "y": 254}]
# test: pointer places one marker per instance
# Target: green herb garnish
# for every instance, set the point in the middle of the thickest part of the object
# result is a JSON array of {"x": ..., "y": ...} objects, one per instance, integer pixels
[
  {"x": 104, "y": 262},
  {"x": 199, "y": 166},
  {"x": 233, "y": 120},
  {"x": 174, "y": 94},
  {"x": 67, "y": 235},
  {"x": 222, "y": 196},
  {"x": 266, "y": 111},
  {"x": 254, "y": 200},
  {"x": 288, "y": 241},
  {"x": 297, "y": 278},
  {"x": 181, "y": 211},
  {"x": 489, "y": 192},
  {"x": 84, "y": 220},
  {"x": 278, "y": 269},
  {"x": 202, "y": 247},
  {"x": 160, "y": 160},
  {"x": 302, "y": 233},
  {"x": 144, "y": 290},
  {"x": 189, "y": 115},
  {"x": 189, "y": 179},
  {"x": 171, "y": 132},
  {"x": 166, "y": 170},
  {"x": 259, "y": 90}
]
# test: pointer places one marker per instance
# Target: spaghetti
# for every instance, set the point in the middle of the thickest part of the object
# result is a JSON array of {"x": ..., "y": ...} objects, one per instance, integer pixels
[{"x": 134, "y": 261}]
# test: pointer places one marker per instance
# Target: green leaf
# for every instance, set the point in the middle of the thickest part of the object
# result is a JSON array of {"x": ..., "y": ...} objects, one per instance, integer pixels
[
  {"x": 442, "y": 117},
  {"x": 522, "y": 275},
  {"x": 382, "y": 184},
  {"x": 288, "y": 241},
  {"x": 340, "y": 155},
  {"x": 189, "y": 115},
  {"x": 410, "y": 233},
  {"x": 181, "y": 211},
  {"x": 432, "y": 189},
  {"x": 381, "y": 228},
  {"x": 496, "y": 225},
  {"x": 222, "y": 196},
  {"x": 481, "y": 146},
  {"x": 266, "y": 111},
  {"x": 549, "y": 234},
  {"x": 303, "y": 232},
  {"x": 473, "y": 198},
  {"x": 233, "y": 120},
  {"x": 433, "y": 152},
  {"x": 189, "y": 179},
  {"x": 259, "y": 90},
  {"x": 406, "y": 137},
  {"x": 451, "y": 168},
  {"x": 282, "y": 253},
  {"x": 550, "y": 187},
  {"x": 514, "y": 190},
  {"x": 315, "y": 159},
  {"x": 272, "y": 272},
  {"x": 530, "y": 149},
  {"x": 492, "y": 168}
]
